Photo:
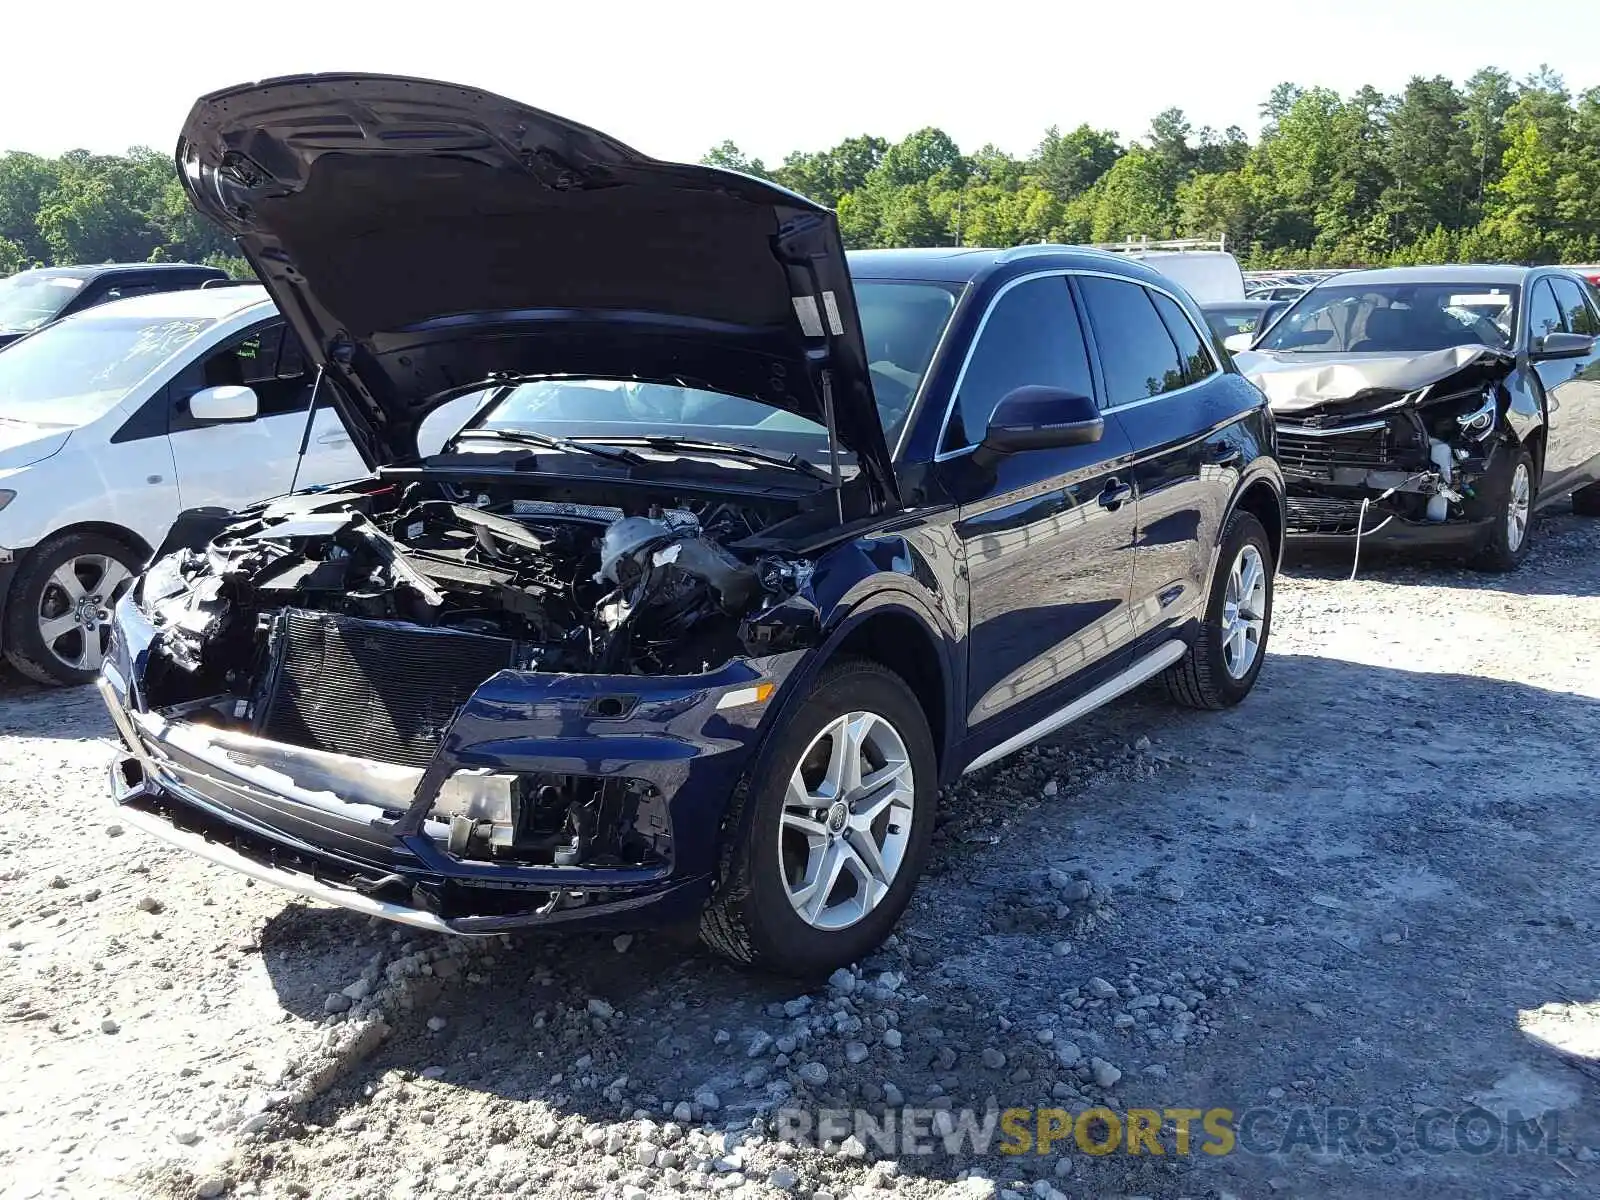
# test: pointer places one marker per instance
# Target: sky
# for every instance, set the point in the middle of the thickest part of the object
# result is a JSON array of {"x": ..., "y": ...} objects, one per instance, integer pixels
[{"x": 675, "y": 77}]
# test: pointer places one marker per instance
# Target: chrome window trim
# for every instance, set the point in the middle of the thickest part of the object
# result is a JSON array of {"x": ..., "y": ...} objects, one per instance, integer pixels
[{"x": 1067, "y": 272}]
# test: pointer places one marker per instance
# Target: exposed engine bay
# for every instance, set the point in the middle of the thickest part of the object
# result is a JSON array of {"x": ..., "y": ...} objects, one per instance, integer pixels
[{"x": 359, "y": 623}]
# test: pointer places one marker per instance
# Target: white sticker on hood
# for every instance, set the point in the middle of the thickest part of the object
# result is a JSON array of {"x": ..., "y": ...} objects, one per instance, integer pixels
[
  {"x": 805, "y": 307},
  {"x": 832, "y": 305}
]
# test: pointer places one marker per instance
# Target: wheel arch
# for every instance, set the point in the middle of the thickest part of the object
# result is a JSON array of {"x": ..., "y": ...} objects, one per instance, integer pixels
[
  {"x": 1534, "y": 439},
  {"x": 1263, "y": 501},
  {"x": 118, "y": 533},
  {"x": 895, "y": 638}
]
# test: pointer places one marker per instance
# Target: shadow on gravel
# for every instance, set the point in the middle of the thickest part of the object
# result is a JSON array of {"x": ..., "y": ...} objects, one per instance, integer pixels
[
  {"x": 29, "y": 709},
  {"x": 1562, "y": 541},
  {"x": 1388, "y": 800}
]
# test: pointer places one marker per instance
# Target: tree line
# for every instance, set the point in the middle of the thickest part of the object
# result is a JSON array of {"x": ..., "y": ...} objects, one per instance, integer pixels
[
  {"x": 90, "y": 208},
  {"x": 1491, "y": 170}
]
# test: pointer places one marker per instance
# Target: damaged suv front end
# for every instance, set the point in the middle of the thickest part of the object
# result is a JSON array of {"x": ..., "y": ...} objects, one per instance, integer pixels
[
  {"x": 517, "y": 683},
  {"x": 451, "y": 717}
]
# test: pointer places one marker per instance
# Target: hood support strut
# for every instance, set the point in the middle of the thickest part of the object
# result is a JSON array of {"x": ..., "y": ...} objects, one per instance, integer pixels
[
  {"x": 833, "y": 440},
  {"x": 311, "y": 418}
]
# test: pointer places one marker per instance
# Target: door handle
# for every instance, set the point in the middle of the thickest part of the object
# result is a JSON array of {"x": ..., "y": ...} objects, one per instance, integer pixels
[
  {"x": 1226, "y": 455},
  {"x": 1114, "y": 494}
]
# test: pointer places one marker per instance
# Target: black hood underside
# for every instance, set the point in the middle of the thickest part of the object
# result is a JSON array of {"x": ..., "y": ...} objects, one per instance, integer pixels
[{"x": 422, "y": 237}]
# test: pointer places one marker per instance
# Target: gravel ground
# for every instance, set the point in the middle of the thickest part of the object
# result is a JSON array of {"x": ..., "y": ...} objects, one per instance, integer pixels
[{"x": 1367, "y": 891}]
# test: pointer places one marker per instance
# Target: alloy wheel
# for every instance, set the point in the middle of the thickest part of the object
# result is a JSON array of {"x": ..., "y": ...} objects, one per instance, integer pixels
[
  {"x": 846, "y": 822},
  {"x": 1244, "y": 612},
  {"x": 1517, "y": 507},
  {"x": 75, "y": 609}
]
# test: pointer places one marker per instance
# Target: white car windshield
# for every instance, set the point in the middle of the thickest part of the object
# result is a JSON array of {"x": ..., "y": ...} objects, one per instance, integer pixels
[
  {"x": 1405, "y": 318},
  {"x": 81, "y": 368}
]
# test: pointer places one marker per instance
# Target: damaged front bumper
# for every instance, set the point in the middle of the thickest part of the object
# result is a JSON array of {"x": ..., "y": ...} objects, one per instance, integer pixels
[
  {"x": 1386, "y": 477},
  {"x": 664, "y": 754}
]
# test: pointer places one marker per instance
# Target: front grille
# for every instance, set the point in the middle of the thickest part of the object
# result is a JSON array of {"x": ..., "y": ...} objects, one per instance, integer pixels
[
  {"x": 1369, "y": 449},
  {"x": 1323, "y": 514},
  {"x": 373, "y": 689}
]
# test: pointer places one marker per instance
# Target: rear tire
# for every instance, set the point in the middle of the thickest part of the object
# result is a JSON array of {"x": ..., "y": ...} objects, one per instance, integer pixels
[
  {"x": 68, "y": 580},
  {"x": 762, "y": 912},
  {"x": 1511, "y": 529},
  {"x": 1222, "y": 665}
]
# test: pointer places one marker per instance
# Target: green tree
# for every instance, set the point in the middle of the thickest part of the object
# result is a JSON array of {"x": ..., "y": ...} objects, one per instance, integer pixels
[
  {"x": 729, "y": 157},
  {"x": 1488, "y": 96},
  {"x": 928, "y": 156},
  {"x": 1429, "y": 159},
  {"x": 1069, "y": 165},
  {"x": 1133, "y": 200}
]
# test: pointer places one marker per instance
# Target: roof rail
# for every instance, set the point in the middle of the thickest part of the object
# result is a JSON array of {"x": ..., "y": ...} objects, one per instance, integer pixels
[
  {"x": 216, "y": 283},
  {"x": 1134, "y": 246}
]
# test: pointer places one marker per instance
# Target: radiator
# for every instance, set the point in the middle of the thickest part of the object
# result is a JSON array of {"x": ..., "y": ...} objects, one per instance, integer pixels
[{"x": 382, "y": 690}]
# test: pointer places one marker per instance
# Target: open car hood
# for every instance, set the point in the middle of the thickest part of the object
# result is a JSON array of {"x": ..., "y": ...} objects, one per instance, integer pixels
[
  {"x": 423, "y": 236},
  {"x": 1304, "y": 382}
]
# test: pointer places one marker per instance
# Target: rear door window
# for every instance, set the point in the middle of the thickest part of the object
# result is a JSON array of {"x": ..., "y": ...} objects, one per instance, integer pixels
[{"x": 1138, "y": 354}]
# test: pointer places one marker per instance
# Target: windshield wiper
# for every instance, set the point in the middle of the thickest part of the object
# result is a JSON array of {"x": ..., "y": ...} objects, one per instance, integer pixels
[
  {"x": 530, "y": 437},
  {"x": 794, "y": 462}
]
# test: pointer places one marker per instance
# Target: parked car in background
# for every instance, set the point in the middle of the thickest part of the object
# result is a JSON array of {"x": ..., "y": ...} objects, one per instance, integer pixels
[
  {"x": 1202, "y": 268},
  {"x": 1590, "y": 271},
  {"x": 1436, "y": 405},
  {"x": 1274, "y": 292},
  {"x": 32, "y": 299},
  {"x": 115, "y": 419},
  {"x": 1237, "y": 323},
  {"x": 750, "y": 550}
]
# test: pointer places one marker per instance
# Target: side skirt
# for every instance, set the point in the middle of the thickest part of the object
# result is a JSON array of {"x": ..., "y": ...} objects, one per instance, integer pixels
[{"x": 1159, "y": 659}]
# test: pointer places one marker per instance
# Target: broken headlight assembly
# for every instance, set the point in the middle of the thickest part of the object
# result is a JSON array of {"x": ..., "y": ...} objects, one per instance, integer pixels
[{"x": 1478, "y": 423}]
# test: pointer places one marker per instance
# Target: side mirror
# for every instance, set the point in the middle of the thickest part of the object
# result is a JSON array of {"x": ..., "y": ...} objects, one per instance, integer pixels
[
  {"x": 1236, "y": 343},
  {"x": 1563, "y": 345},
  {"x": 219, "y": 405},
  {"x": 1041, "y": 418}
]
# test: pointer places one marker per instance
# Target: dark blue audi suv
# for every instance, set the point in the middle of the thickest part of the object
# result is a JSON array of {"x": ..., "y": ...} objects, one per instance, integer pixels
[{"x": 747, "y": 548}]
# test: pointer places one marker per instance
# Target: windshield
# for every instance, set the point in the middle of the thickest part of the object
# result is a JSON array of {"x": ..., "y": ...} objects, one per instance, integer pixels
[
  {"x": 79, "y": 369},
  {"x": 1407, "y": 318},
  {"x": 31, "y": 299},
  {"x": 900, "y": 322}
]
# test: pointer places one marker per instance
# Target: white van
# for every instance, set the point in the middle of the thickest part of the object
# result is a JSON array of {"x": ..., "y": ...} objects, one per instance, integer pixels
[
  {"x": 1203, "y": 268},
  {"x": 114, "y": 421}
]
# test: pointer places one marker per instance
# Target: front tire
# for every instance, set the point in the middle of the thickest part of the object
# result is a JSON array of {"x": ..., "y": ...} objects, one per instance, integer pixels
[
  {"x": 58, "y": 616},
  {"x": 1511, "y": 531},
  {"x": 834, "y": 836},
  {"x": 1222, "y": 665}
]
